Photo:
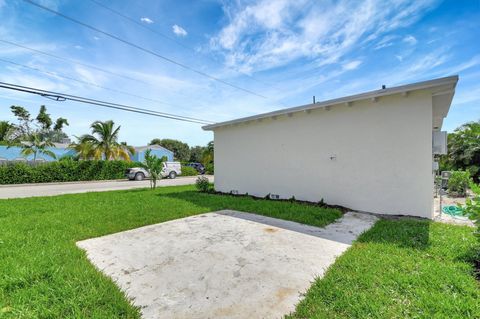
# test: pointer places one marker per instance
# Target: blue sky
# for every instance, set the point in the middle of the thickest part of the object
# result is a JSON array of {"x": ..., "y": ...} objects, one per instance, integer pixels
[{"x": 284, "y": 50}]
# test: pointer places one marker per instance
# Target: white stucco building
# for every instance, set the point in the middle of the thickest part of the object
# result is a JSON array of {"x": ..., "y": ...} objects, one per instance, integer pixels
[{"x": 370, "y": 152}]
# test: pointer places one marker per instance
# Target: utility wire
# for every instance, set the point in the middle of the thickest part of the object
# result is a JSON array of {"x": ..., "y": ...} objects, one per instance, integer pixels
[
  {"x": 88, "y": 26},
  {"x": 71, "y": 61},
  {"x": 163, "y": 35},
  {"x": 63, "y": 97},
  {"x": 118, "y": 13},
  {"x": 85, "y": 82}
]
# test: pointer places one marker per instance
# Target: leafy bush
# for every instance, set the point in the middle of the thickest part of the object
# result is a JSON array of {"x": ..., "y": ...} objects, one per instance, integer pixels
[
  {"x": 66, "y": 170},
  {"x": 458, "y": 182},
  {"x": 209, "y": 169},
  {"x": 472, "y": 207},
  {"x": 203, "y": 184},
  {"x": 189, "y": 171}
]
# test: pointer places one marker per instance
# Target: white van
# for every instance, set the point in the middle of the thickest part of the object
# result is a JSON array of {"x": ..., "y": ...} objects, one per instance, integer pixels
[{"x": 170, "y": 170}]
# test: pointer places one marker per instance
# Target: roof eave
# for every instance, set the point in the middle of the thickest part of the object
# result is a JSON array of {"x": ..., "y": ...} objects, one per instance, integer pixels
[{"x": 347, "y": 99}]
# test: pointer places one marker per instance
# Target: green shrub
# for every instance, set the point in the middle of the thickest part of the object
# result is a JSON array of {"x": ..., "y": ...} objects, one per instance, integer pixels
[
  {"x": 202, "y": 183},
  {"x": 209, "y": 169},
  {"x": 472, "y": 207},
  {"x": 66, "y": 170},
  {"x": 189, "y": 171},
  {"x": 458, "y": 182}
]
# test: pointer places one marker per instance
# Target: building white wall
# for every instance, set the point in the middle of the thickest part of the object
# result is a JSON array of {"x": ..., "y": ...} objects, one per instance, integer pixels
[{"x": 383, "y": 155}]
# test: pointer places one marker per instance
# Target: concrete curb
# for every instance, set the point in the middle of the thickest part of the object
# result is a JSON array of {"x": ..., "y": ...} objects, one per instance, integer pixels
[{"x": 87, "y": 182}]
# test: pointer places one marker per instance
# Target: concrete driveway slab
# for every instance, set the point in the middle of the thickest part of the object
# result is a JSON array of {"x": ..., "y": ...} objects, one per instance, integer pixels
[{"x": 225, "y": 264}]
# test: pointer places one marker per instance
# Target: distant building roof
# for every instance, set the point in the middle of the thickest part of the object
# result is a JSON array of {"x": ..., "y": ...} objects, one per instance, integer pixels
[
  {"x": 61, "y": 145},
  {"x": 153, "y": 147}
]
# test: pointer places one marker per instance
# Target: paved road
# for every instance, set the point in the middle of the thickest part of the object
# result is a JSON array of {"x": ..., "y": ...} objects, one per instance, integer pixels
[{"x": 52, "y": 189}]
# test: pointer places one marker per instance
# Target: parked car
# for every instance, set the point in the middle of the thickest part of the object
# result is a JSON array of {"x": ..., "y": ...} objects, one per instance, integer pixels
[
  {"x": 198, "y": 166},
  {"x": 170, "y": 170}
]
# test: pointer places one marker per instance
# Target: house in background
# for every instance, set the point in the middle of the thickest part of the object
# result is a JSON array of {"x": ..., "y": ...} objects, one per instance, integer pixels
[
  {"x": 157, "y": 150},
  {"x": 14, "y": 153},
  {"x": 371, "y": 152}
]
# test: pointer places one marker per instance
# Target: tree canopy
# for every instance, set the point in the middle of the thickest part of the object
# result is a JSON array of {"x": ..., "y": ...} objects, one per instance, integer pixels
[
  {"x": 196, "y": 153},
  {"x": 181, "y": 150},
  {"x": 41, "y": 126},
  {"x": 102, "y": 143},
  {"x": 464, "y": 149}
]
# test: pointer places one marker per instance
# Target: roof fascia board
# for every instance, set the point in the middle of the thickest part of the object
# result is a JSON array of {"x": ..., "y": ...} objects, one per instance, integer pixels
[{"x": 347, "y": 99}]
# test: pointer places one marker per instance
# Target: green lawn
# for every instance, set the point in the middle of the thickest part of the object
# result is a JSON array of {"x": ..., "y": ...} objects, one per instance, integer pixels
[
  {"x": 44, "y": 275},
  {"x": 398, "y": 269}
]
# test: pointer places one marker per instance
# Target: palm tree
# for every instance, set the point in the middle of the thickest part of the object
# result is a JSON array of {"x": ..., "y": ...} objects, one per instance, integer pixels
[
  {"x": 102, "y": 143},
  {"x": 35, "y": 145},
  {"x": 154, "y": 166},
  {"x": 82, "y": 150}
]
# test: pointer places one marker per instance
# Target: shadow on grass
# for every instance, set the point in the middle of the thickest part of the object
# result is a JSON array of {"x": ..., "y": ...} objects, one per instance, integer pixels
[
  {"x": 404, "y": 232},
  {"x": 292, "y": 211},
  {"x": 472, "y": 256}
]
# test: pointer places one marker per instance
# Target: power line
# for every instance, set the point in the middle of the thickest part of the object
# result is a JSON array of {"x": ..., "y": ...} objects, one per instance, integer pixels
[
  {"x": 71, "y": 61},
  {"x": 118, "y": 13},
  {"x": 85, "y": 82},
  {"x": 63, "y": 97},
  {"x": 88, "y": 26},
  {"x": 163, "y": 35}
]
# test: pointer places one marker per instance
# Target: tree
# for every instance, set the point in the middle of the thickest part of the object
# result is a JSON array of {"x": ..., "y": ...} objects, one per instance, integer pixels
[
  {"x": 464, "y": 149},
  {"x": 208, "y": 158},
  {"x": 60, "y": 123},
  {"x": 44, "y": 119},
  {"x": 5, "y": 130},
  {"x": 196, "y": 153},
  {"x": 41, "y": 125},
  {"x": 154, "y": 166},
  {"x": 23, "y": 128},
  {"x": 181, "y": 151},
  {"x": 208, "y": 154},
  {"x": 102, "y": 143},
  {"x": 35, "y": 145},
  {"x": 83, "y": 151}
]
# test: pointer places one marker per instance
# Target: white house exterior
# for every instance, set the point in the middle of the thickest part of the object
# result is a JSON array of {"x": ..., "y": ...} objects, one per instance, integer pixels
[{"x": 370, "y": 152}]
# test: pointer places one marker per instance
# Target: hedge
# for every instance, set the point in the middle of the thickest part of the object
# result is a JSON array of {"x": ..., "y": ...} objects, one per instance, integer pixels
[
  {"x": 189, "y": 171},
  {"x": 63, "y": 171}
]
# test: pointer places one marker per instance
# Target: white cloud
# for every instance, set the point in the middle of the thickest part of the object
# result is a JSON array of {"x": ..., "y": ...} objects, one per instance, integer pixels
[
  {"x": 385, "y": 42},
  {"x": 410, "y": 39},
  {"x": 352, "y": 65},
  {"x": 96, "y": 38},
  {"x": 52, "y": 4},
  {"x": 473, "y": 62},
  {"x": 179, "y": 31},
  {"x": 268, "y": 34},
  {"x": 467, "y": 96},
  {"x": 399, "y": 57},
  {"x": 146, "y": 20},
  {"x": 88, "y": 76},
  {"x": 78, "y": 47},
  {"x": 159, "y": 81}
]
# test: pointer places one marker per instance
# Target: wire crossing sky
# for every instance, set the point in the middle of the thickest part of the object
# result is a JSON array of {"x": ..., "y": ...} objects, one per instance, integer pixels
[
  {"x": 260, "y": 55},
  {"x": 141, "y": 48}
]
